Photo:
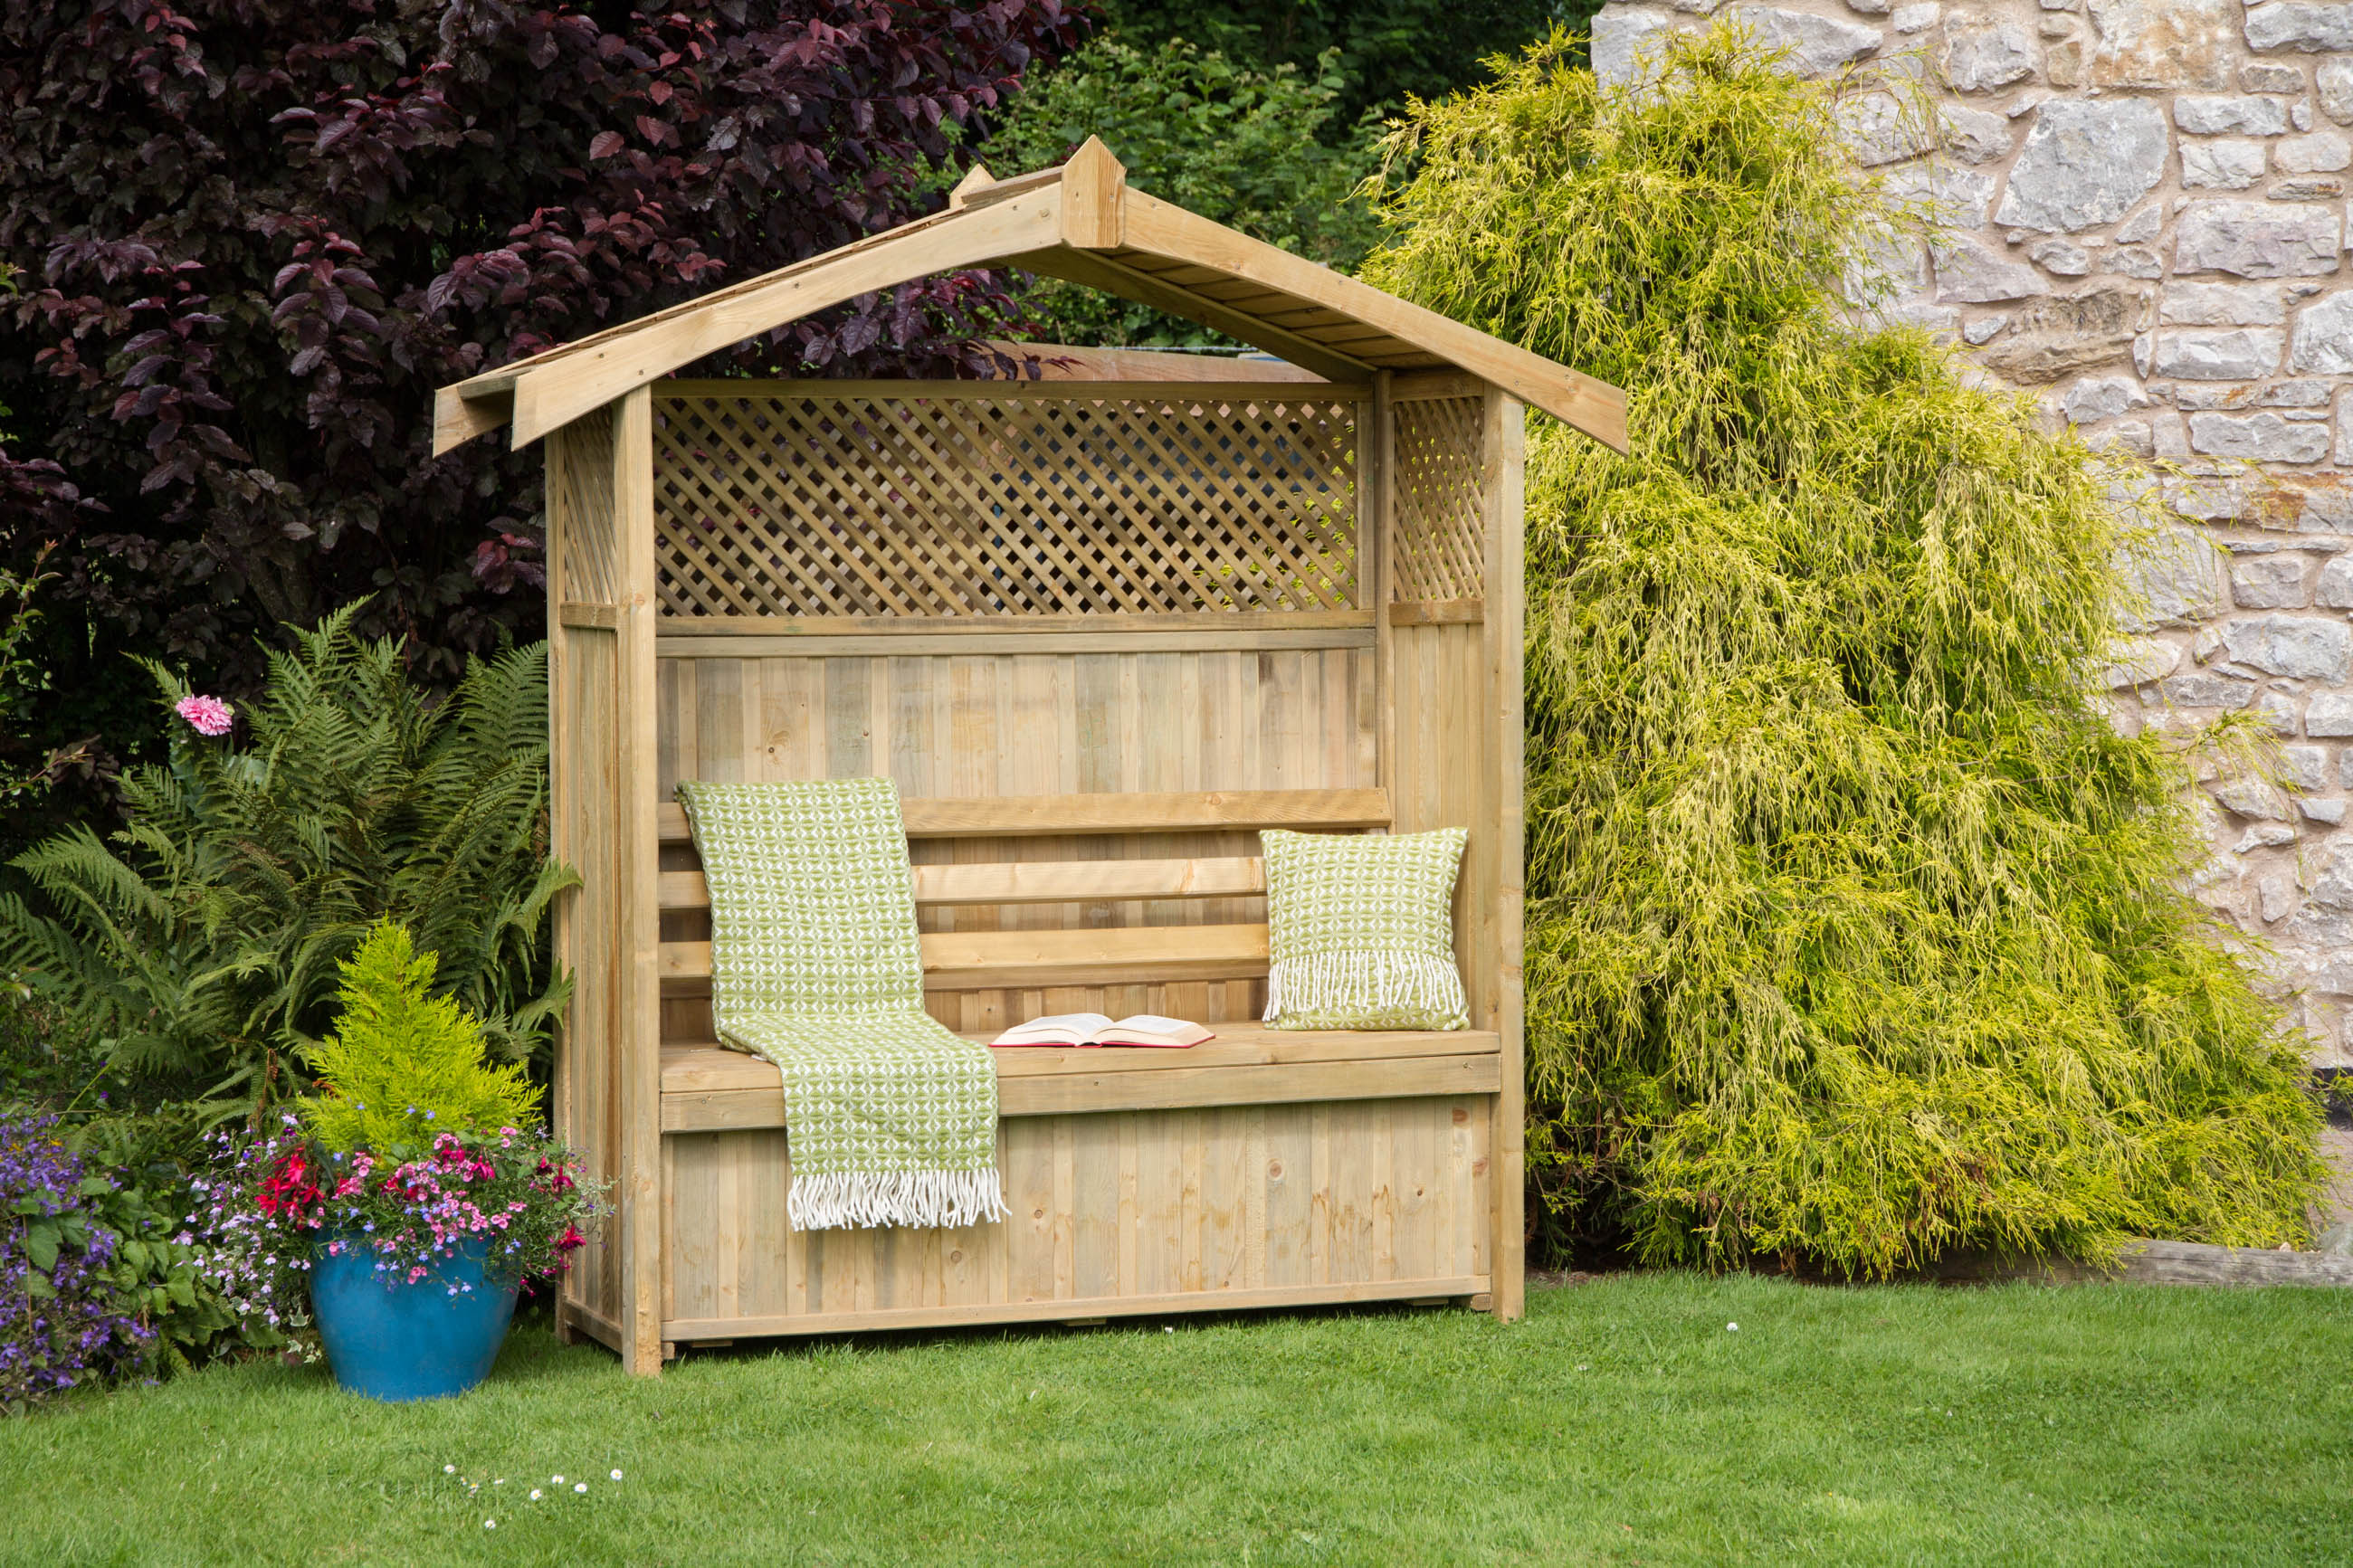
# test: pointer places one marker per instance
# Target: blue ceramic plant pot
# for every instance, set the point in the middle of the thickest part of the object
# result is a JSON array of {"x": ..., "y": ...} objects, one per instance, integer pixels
[{"x": 400, "y": 1341}]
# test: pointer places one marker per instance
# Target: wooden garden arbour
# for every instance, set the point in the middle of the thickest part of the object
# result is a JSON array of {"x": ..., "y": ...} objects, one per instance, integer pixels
[{"x": 1100, "y": 628}]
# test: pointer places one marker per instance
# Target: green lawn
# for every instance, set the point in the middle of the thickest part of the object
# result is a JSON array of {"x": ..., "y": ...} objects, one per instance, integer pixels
[{"x": 1623, "y": 1422}]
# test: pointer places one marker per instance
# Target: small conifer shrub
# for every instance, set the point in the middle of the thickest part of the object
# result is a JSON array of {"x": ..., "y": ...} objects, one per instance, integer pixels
[
  {"x": 404, "y": 1064},
  {"x": 1856, "y": 929}
]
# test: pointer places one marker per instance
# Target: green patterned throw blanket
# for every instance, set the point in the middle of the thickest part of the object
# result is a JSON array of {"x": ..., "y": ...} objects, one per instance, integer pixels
[{"x": 815, "y": 965}]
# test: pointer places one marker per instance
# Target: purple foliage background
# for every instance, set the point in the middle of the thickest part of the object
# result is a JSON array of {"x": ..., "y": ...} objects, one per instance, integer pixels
[{"x": 252, "y": 236}]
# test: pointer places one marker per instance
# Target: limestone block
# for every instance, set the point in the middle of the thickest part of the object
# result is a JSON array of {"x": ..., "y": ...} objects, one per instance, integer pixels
[
  {"x": 2257, "y": 437},
  {"x": 1909, "y": 19},
  {"x": 2131, "y": 261},
  {"x": 2322, "y": 152},
  {"x": 2190, "y": 395},
  {"x": 2308, "y": 188},
  {"x": 2274, "y": 896},
  {"x": 2225, "y": 165},
  {"x": 2272, "y": 75},
  {"x": 2203, "y": 689},
  {"x": 2101, "y": 398},
  {"x": 2136, "y": 661},
  {"x": 2085, "y": 163},
  {"x": 2246, "y": 795},
  {"x": 2269, "y": 583},
  {"x": 2323, "y": 343},
  {"x": 2305, "y": 769},
  {"x": 1869, "y": 7},
  {"x": 2060, "y": 257},
  {"x": 1880, "y": 129},
  {"x": 2256, "y": 239},
  {"x": 2302, "y": 647},
  {"x": 1974, "y": 136},
  {"x": 2277, "y": 709},
  {"x": 2221, "y": 305},
  {"x": 2062, "y": 63},
  {"x": 2294, "y": 25},
  {"x": 2066, "y": 332},
  {"x": 2335, "y": 80},
  {"x": 1955, "y": 198},
  {"x": 2216, "y": 353},
  {"x": 2331, "y": 812},
  {"x": 1817, "y": 46},
  {"x": 2329, "y": 713},
  {"x": 2310, "y": 393},
  {"x": 2173, "y": 575},
  {"x": 1970, "y": 272},
  {"x": 2230, "y": 115},
  {"x": 2335, "y": 591},
  {"x": 1984, "y": 329},
  {"x": 2264, "y": 836},
  {"x": 1984, "y": 53},
  {"x": 2162, "y": 43},
  {"x": 2142, "y": 227},
  {"x": 1623, "y": 46}
]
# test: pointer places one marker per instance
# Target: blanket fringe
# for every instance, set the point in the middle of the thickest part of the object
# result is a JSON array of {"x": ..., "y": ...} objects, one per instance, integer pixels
[
  {"x": 1363, "y": 979},
  {"x": 947, "y": 1200}
]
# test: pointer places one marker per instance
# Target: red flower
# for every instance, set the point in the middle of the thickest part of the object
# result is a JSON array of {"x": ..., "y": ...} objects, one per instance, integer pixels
[{"x": 569, "y": 1239}]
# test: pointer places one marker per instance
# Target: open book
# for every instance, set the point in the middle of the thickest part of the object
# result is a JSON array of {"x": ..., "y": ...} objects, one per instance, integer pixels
[{"x": 1095, "y": 1029}]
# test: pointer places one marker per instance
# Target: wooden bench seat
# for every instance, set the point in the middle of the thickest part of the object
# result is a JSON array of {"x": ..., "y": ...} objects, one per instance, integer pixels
[{"x": 710, "y": 1088}]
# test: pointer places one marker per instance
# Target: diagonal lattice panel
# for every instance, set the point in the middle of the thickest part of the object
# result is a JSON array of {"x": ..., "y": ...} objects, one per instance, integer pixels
[
  {"x": 1440, "y": 546},
  {"x": 800, "y": 501}
]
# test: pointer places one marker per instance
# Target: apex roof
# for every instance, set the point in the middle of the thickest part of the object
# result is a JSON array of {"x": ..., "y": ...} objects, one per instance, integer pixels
[{"x": 1080, "y": 222}]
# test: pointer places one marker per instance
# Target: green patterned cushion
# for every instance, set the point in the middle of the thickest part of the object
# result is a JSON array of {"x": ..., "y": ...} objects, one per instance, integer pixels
[{"x": 1361, "y": 931}]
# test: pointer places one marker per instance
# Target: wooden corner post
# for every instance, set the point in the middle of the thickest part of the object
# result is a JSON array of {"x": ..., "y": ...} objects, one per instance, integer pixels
[
  {"x": 1502, "y": 500},
  {"x": 637, "y": 1195}
]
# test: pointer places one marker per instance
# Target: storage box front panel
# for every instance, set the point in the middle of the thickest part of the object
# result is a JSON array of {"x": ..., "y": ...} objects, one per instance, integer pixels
[{"x": 1384, "y": 1193}]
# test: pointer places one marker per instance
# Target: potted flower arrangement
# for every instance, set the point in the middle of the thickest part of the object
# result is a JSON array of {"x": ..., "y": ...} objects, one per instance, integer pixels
[{"x": 413, "y": 1190}]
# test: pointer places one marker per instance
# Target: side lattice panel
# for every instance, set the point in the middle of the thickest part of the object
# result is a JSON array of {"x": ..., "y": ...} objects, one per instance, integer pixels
[
  {"x": 1440, "y": 535},
  {"x": 795, "y": 502}
]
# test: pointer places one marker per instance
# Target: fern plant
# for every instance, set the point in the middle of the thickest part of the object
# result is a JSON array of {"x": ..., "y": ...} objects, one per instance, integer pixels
[
  {"x": 202, "y": 939},
  {"x": 404, "y": 1063}
]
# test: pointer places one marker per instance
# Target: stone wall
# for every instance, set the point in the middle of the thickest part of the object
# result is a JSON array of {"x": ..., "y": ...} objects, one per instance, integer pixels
[{"x": 2147, "y": 211}]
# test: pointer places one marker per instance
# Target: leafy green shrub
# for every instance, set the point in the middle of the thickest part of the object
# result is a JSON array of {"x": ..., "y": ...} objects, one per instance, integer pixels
[
  {"x": 1856, "y": 929},
  {"x": 200, "y": 942},
  {"x": 1222, "y": 139},
  {"x": 404, "y": 1063}
]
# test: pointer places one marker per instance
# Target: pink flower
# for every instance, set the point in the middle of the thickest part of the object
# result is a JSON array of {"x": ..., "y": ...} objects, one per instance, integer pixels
[{"x": 206, "y": 715}]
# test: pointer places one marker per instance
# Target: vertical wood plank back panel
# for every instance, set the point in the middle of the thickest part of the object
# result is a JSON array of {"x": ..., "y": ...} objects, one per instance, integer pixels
[{"x": 1002, "y": 724}]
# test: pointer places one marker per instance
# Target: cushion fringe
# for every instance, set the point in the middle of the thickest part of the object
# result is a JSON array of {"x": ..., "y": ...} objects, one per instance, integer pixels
[
  {"x": 1364, "y": 978},
  {"x": 922, "y": 1199}
]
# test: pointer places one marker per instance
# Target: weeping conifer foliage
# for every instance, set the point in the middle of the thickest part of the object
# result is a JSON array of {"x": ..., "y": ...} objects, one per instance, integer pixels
[{"x": 1854, "y": 931}]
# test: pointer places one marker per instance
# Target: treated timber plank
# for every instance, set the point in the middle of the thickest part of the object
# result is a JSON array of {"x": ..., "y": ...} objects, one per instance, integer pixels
[
  {"x": 1013, "y": 816},
  {"x": 1286, "y": 388},
  {"x": 1502, "y": 804},
  {"x": 689, "y": 1329},
  {"x": 984, "y": 960},
  {"x": 992, "y": 639},
  {"x": 551, "y": 393},
  {"x": 1437, "y": 612},
  {"x": 792, "y": 628},
  {"x": 712, "y": 1067},
  {"x": 1081, "y": 1092},
  {"x": 1043, "y": 881}
]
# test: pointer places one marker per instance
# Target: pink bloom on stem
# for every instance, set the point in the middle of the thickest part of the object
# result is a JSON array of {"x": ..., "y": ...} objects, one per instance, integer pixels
[{"x": 206, "y": 715}]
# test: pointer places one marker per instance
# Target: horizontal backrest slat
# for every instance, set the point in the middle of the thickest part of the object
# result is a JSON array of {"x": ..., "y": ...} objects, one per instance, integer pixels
[
  {"x": 1109, "y": 956},
  {"x": 1044, "y": 882},
  {"x": 1185, "y": 811}
]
